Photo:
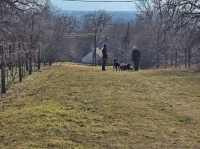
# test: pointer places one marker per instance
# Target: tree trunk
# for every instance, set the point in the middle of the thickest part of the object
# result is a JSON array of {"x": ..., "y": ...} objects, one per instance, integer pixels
[
  {"x": 176, "y": 57},
  {"x": 189, "y": 57},
  {"x": 3, "y": 79}
]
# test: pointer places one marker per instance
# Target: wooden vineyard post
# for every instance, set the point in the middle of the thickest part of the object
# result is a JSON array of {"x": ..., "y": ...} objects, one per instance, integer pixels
[
  {"x": 26, "y": 57},
  {"x": 30, "y": 63},
  {"x": 39, "y": 63},
  {"x": 19, "y": 62},
  {"x": 3, "y": 77},
  {"x": 10, "y": 51}
]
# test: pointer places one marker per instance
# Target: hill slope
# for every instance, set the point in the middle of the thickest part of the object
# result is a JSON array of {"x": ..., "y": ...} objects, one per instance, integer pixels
[{"x": 77, "y": 106}]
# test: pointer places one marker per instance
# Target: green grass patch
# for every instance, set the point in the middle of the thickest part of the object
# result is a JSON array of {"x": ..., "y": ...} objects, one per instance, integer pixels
[{"x": 77, "y": 106}]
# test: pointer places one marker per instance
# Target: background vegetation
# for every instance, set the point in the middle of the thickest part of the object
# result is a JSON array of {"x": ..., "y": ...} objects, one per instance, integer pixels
[
  {"x": 166, "y": 31},
  {"x": 76, "y": 106}
]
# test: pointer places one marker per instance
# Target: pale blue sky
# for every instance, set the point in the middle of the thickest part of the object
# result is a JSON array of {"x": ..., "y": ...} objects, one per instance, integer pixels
[{"x": 108, "y": 6}]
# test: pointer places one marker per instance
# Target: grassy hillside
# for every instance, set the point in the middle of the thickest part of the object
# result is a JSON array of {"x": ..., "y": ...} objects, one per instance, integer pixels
[{"x": 76, "y": 106}]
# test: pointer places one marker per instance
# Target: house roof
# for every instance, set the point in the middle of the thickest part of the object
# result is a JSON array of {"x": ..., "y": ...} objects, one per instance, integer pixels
[{"x": 98, "y": 52}]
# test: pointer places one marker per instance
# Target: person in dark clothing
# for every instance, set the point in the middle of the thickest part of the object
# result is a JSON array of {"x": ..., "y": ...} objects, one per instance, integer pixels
[
  {"x": 104, "y": 57},
  {"x": 136, "y": 57}
]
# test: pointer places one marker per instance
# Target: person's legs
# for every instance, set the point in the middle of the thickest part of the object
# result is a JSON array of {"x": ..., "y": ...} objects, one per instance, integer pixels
[
  {"x": 103, "y": 65},
  {"x": 136, "y": 65}
]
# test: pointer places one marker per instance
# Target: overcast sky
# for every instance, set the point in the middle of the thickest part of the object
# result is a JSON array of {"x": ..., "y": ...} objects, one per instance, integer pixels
[{"x": 108, "y": 6}]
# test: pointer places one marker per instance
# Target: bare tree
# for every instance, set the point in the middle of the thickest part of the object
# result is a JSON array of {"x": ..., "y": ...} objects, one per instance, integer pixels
[
  {"x": 11, "y": 12},
  {"x": 96, "y": 22},
  {"x": 115, "y": 33},
  {"x": 166, "y": 20}
]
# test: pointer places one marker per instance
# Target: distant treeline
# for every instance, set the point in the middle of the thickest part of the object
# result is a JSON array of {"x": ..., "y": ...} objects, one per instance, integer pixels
[{"x": 166, "y": 32}]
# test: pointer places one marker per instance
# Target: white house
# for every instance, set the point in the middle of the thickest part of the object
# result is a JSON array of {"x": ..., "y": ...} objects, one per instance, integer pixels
[{"x": 88, "y": 58}]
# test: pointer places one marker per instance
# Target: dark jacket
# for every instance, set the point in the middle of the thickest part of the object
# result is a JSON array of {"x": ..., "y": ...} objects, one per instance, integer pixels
[
  {"x": 136, "y": 55},
  {"x": 104, "y": 51}
]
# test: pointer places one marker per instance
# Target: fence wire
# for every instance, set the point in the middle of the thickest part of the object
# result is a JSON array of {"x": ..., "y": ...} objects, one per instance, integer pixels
[{"x": 17, "y": 60}]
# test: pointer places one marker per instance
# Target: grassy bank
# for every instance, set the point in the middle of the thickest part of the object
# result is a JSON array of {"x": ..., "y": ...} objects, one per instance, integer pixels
[{"x": 76, "y": 106}]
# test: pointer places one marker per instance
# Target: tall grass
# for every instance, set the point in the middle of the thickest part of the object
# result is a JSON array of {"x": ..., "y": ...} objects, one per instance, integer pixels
[{"x": 76, "y": 106}]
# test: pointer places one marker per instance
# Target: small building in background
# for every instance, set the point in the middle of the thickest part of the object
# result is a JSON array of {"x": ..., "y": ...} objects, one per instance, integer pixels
[
  {"x": 77, "y": 60},
  {"x": 88, "y": 58}
]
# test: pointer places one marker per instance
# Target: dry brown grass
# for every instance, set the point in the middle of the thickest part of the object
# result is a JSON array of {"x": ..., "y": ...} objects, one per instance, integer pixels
[{"x": 76, "y": 106}]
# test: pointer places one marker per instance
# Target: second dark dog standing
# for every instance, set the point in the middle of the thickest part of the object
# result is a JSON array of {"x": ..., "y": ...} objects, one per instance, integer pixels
[{"x": 116, "y": 65}]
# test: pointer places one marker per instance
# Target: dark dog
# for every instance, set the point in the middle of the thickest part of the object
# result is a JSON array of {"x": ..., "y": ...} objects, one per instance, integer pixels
[
  {"x": 116, "y": 65},
  {"x": 125, "y": 67},
  {"x": 121, "y": 67}
]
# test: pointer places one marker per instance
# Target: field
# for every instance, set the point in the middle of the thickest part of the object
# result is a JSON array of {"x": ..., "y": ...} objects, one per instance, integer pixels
[{"x": 71, "y": 106}]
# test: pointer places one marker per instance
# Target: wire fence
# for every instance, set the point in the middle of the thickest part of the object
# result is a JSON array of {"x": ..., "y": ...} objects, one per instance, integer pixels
[{"x": 17, "y": 60}]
